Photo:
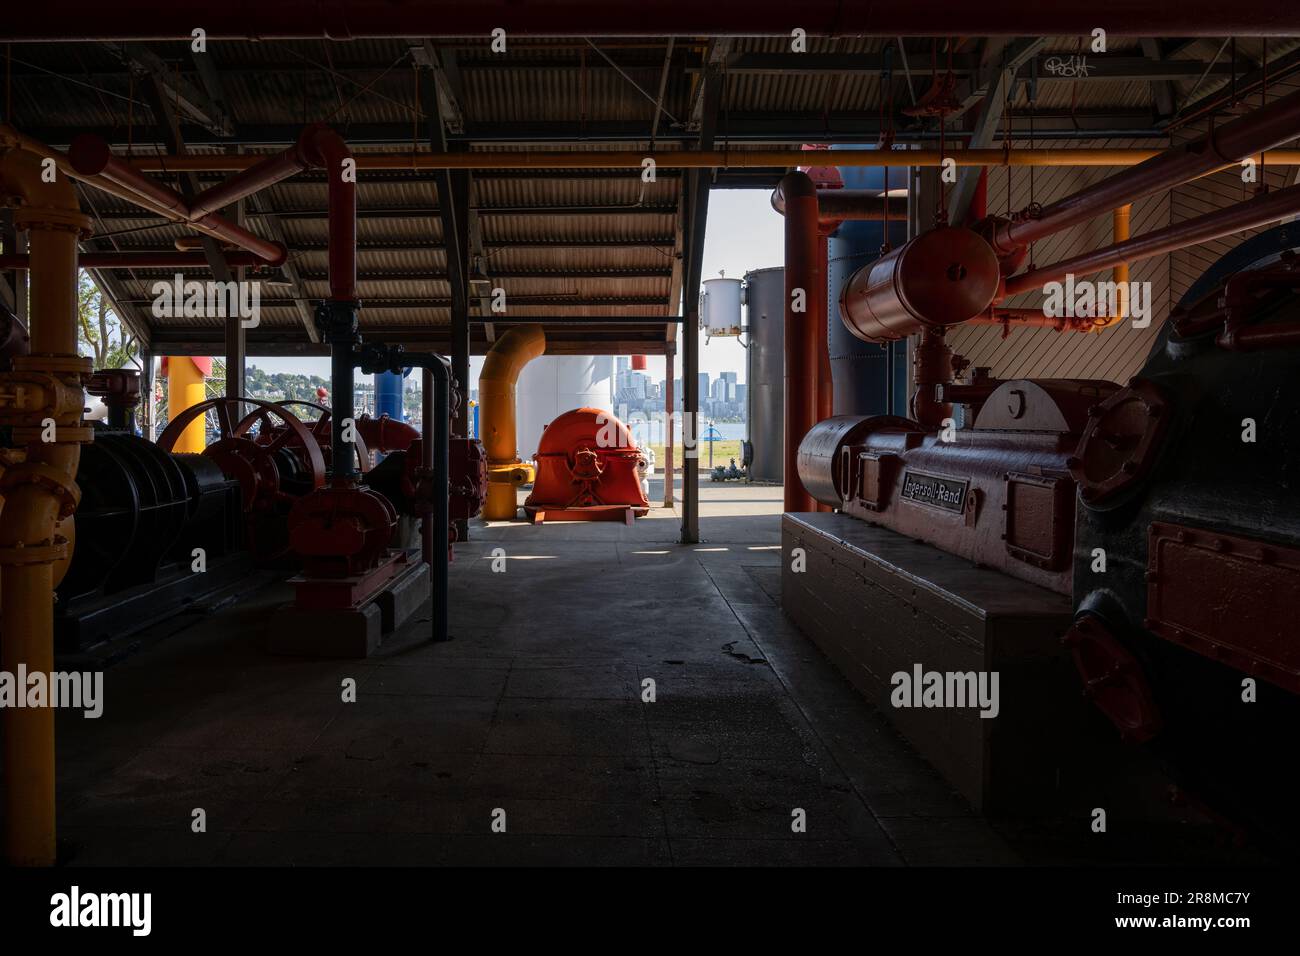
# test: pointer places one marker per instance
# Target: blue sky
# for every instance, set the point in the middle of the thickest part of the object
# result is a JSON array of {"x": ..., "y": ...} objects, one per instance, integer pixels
[{"x": 743, "y": 234}]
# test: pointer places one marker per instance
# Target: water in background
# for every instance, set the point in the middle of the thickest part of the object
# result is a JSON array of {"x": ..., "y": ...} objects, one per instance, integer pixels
[{"x": 652, "y": 432}]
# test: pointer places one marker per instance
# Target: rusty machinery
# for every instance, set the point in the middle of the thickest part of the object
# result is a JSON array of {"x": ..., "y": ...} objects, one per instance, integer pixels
[
  {"x": 1193, "y": 521},
  {"x": 587, "y": 465}
]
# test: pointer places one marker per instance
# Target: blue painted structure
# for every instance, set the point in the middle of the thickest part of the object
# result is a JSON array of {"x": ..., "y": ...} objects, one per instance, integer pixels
[{"x": 867, "y": 379}]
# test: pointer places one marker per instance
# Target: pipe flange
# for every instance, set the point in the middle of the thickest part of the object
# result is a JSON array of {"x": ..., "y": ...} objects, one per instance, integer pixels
[
  {"x": 63, "y": 435},
  {"x": 511, "y": 473},
  {"x": 52, "y": 479},
  {"x": 53, "y": 218},
  {"x": 20, "y": 555},
  {"x": 55, "y": 364}
]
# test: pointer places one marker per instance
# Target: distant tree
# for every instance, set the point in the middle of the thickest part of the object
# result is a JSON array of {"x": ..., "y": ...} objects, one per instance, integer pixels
[{"x": 100, "y": 332}]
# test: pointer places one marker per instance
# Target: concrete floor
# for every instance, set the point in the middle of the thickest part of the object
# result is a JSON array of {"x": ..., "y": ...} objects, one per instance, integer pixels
[{"x": 535, "y": 708}]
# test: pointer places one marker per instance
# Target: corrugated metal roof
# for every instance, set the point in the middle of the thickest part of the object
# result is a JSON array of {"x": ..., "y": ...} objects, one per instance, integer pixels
[{"x": 600, "y": 237}]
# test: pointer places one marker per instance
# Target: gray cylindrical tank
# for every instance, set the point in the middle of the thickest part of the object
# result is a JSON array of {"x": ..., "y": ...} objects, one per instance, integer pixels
[{"x": 765, "y": 304}]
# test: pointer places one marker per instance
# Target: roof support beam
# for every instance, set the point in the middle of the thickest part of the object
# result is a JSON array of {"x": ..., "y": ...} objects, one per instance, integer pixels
[
  {"x": 696, "y": 198},
  {"x": 1001, "y": 60},
  {"x": 1162, "y": 89},
  {"x": 170, "y": 130},
  {"x": 193, "y": 102}
]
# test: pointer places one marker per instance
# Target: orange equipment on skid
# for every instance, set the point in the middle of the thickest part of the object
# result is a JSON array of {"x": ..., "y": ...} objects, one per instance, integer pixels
[{"x": 587, "y": 470}]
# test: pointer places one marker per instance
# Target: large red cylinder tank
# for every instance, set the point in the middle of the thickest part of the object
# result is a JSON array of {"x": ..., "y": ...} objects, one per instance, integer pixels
[
  {"x": 587, "y": 470},
  {"x": 942, "y": 277}
]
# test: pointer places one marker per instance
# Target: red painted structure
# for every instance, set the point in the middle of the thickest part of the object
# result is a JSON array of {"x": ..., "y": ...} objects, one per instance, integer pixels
[{"x": 587, "y": 471}]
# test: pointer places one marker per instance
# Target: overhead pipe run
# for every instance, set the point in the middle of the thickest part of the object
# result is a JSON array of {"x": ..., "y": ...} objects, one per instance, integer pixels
[
  {"x": 140, "y": 260},
  {"x": 91, "y": 157},
  {"x": 383, "y": 19},
  {"x": 704, "y": 159},
  {"x": 39, "y": 494},
  {"x": 836, "y": 205},
  {"x": 1260, "y": 211},
  {"x": 497, "y": 428},
  {"x": 1262, "y": 129}
]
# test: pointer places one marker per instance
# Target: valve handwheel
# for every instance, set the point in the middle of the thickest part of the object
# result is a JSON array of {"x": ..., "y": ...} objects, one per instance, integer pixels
[
  {"x": 249, "y": 461},
  {"x": 319, "y": 426}
]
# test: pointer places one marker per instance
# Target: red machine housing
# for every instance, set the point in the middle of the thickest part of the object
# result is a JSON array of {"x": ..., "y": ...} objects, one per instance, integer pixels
[
  {"x": 999, "y": 493},
  {"x": 587, "y": 471}
]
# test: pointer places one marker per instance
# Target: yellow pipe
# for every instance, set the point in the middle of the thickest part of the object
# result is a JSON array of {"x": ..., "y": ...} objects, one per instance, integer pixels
[
  {"x": 185, "y": 389},
  {"x": 706, "y": 159},
  {"x": 496, "y": 395},
  {"x": 40, "y": 495},
  {"x": 1120, "y": 232}
]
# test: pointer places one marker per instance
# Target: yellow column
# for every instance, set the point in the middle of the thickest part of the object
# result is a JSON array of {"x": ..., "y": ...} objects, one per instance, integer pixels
[{"x": 185, "y": 390}]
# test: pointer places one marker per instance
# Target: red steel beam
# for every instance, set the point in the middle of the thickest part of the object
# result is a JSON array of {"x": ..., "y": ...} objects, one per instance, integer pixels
[
  {"x": 1259, "y": 211},
  {"x": 69, "y": 20},
  {"x": 1277, "y": 122}
]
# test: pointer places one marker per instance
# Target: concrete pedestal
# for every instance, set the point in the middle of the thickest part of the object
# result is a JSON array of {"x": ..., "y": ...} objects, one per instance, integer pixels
[{"x": 879, "y": 604}]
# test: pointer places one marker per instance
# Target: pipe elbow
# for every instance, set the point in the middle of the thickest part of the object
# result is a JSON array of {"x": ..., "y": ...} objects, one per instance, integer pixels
[
  {"x": 24, "y": 173},
  {"x": 510, "y": 353},
  {"x": 793, "y": 186},
  {"x": 321, "y": 146}
]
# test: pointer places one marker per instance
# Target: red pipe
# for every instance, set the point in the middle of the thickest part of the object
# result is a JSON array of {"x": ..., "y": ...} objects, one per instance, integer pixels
[
  {"x": 931, "y": 368},
  {"x": 267, "y": 172},
  {"x": 91, "y": 156},
  {"x": 1034, "y": 318},
  {"x": 836, "y": 205},
  {"x": 798, "y": 197},
  {"x": 73, "y": 20},
  {"x": 1250, "y": 338},
  {"x": 1258, "y": 211},
  {"x": 1267, "y": 127},
  {"x": 141, "y": 260},
  {"x": 825, "y": 387},
  {"x": 325, "y": 149},
  {"x": 385, "y": 434}
]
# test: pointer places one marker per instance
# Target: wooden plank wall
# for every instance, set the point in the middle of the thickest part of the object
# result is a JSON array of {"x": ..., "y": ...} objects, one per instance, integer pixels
[{"x": 1114, "y": 354}]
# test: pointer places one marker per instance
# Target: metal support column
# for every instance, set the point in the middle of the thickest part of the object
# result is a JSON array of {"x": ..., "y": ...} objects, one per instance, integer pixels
[{"x": 670, "y": 365}]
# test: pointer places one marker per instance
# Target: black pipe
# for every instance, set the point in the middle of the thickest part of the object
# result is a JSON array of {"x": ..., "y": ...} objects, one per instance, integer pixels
[
  {"x": 437, "y": 523},
  {"x": 337, "y": 321}
]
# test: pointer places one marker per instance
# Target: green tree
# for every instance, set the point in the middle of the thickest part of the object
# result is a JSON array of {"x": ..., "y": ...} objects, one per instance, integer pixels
[{"x": 100, "y": 333}]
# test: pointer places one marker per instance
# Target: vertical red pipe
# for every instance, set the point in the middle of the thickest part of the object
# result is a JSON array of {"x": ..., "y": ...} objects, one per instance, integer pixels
[
  {"x": 825, "y": 389},
  {"x": 801, "y": 327},
  {"x": 327, "y": 150}
]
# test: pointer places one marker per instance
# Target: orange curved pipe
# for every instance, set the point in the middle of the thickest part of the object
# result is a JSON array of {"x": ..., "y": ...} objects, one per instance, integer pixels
[{"x": 497, "y": 427}]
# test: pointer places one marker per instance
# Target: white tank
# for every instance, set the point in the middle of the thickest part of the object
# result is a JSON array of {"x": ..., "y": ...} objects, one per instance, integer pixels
[
  {"x": 720, "y": 301},
  {"x": 553, "y": 384}
]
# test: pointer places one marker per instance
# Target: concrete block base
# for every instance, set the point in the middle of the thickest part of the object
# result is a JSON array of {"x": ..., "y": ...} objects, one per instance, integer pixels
[
  {"x": 878, "y": 603},
  {"x": 354, "y": 632}
]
